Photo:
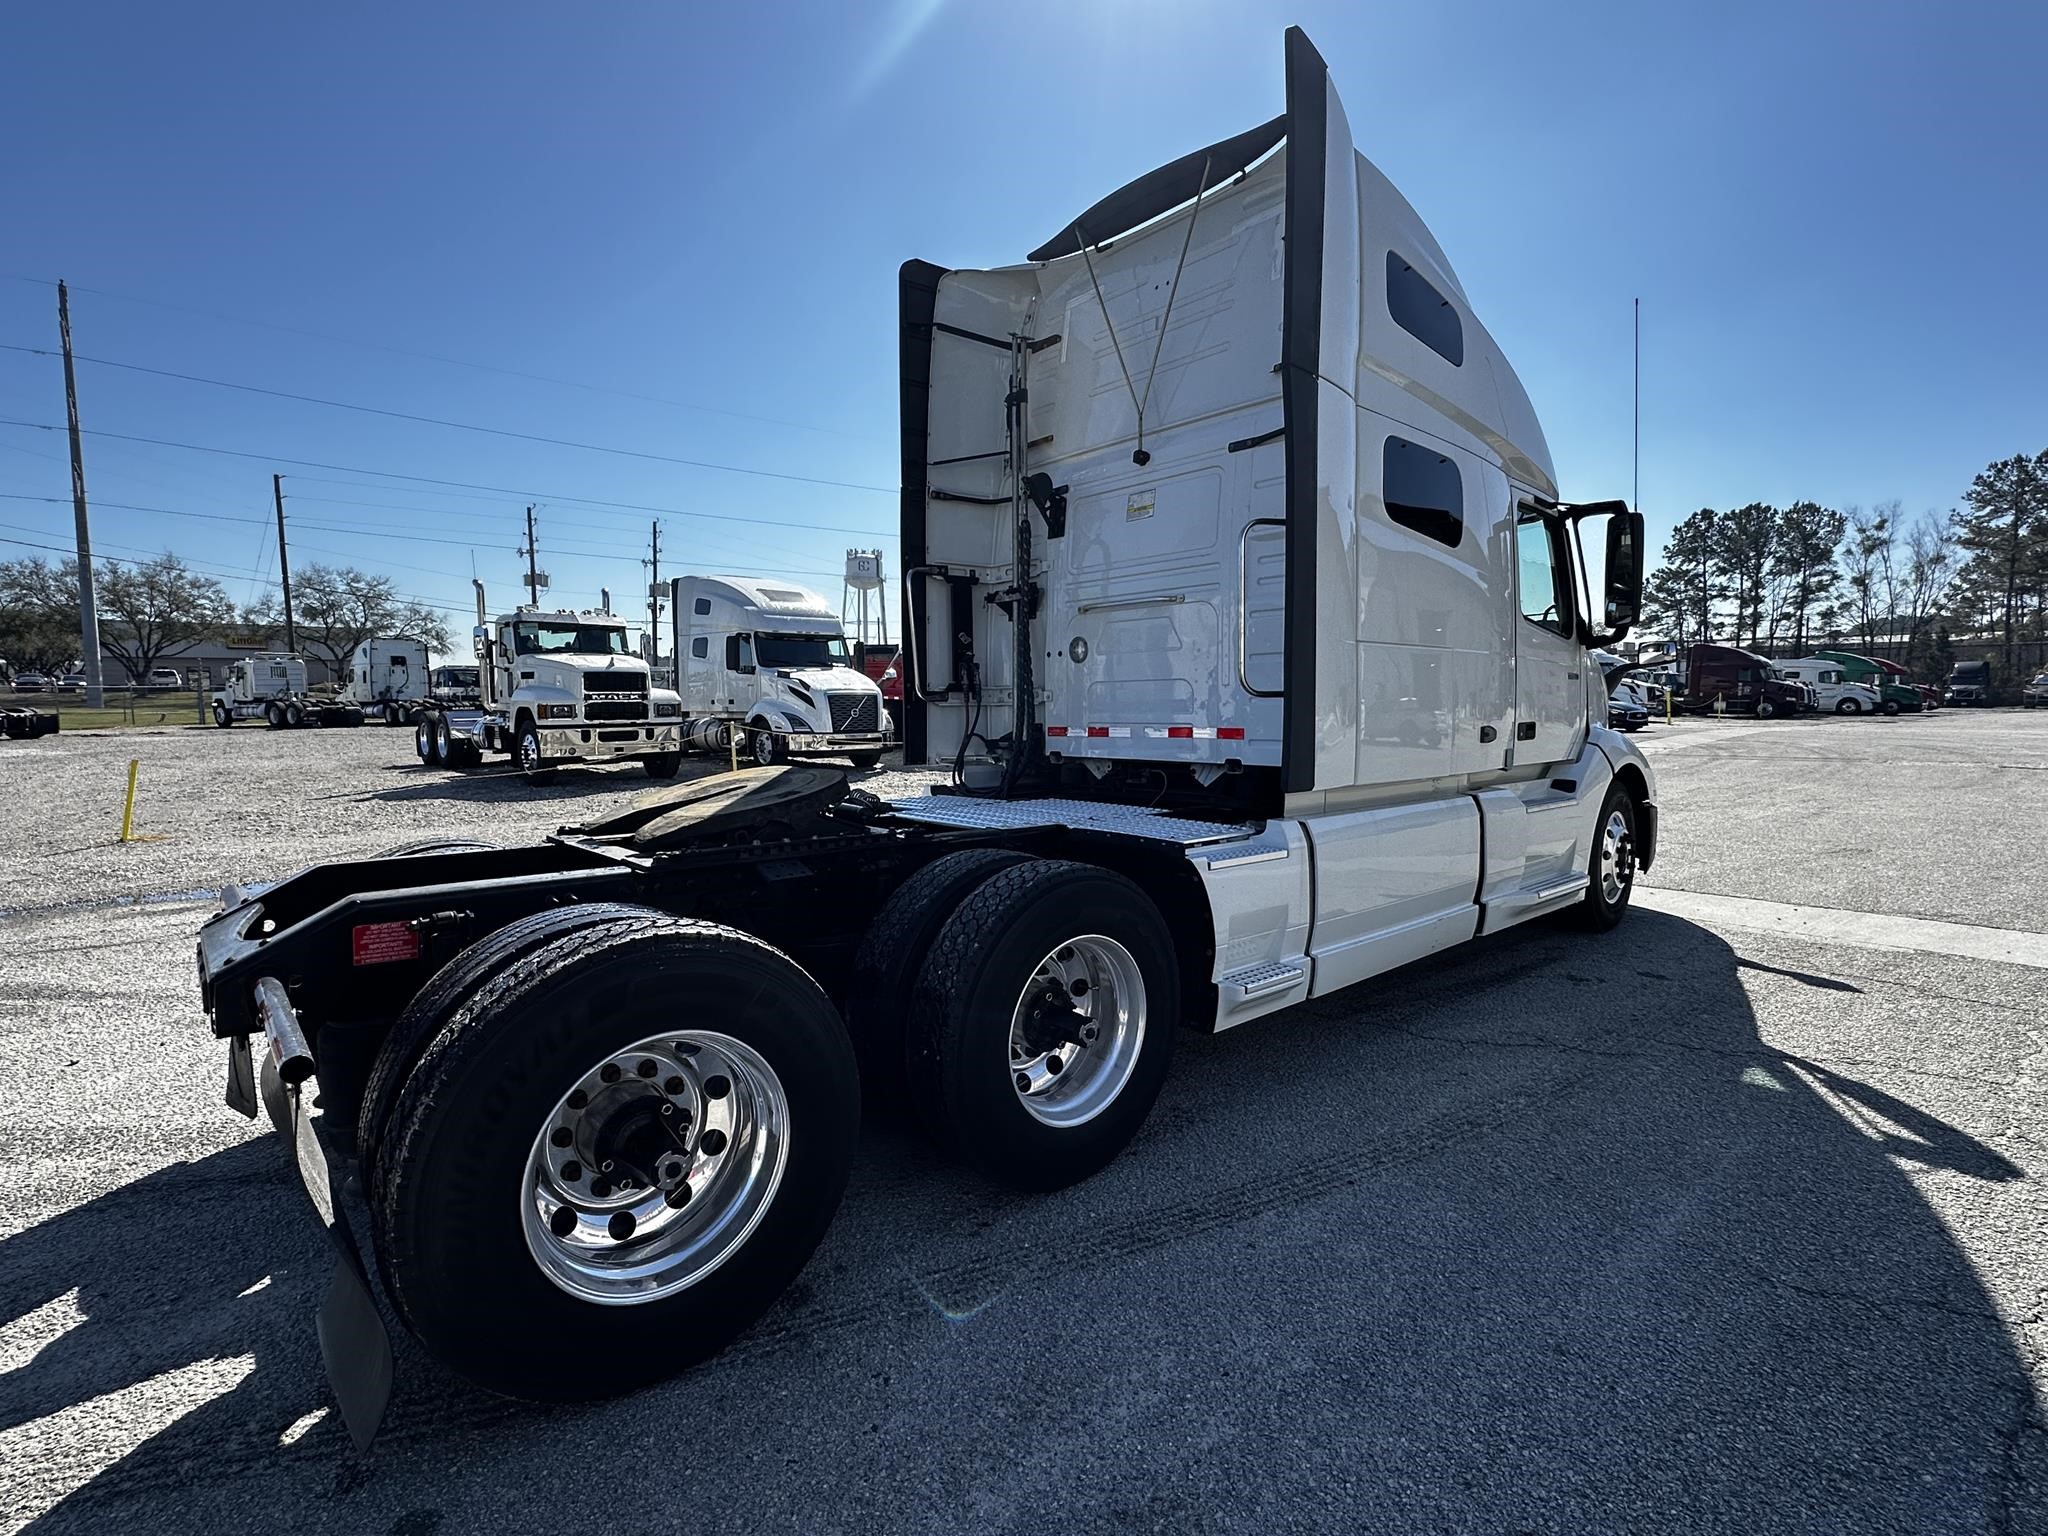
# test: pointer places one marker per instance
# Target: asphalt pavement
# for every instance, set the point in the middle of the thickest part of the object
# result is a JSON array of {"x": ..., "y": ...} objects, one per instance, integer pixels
[{"x": 1730, "y": 1221}]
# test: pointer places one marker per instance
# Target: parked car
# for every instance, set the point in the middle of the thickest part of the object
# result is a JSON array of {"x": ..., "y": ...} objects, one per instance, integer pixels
[
  {"x": 2036, "y": 692},
  {"x": 164, "y": 677},
  {"x": 31, "y": 682},
  {"x": 1627, "y": 707},
  {"x": 71, "y": 682}
]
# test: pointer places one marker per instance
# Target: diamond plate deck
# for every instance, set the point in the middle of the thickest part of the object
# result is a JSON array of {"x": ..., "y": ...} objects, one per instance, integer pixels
[{"x": 1080, "y": 815}]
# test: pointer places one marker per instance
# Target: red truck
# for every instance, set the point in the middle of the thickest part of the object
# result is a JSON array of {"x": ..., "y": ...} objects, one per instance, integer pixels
[{"x": 883, "y": 663}]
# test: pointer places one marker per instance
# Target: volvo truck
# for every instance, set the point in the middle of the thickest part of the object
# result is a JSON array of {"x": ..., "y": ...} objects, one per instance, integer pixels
[
  {"x": 767, "y": 661},
  {"x": 554, "y": 686},
  {"x": 387, "y": 677},
  {"x": 1240, "y": 685}
]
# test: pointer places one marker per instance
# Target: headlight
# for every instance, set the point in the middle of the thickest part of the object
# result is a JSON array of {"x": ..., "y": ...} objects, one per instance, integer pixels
[
  {"x": 665, "y": 711},
  {"x": 558, "y": 711}
]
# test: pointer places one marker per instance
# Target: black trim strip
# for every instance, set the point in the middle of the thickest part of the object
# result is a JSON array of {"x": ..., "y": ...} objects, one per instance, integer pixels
[
  {"x": 1308, "y": 85},
  {"x": 973, "y": 501},
  {"x": 917, "y": 300},
  {"x": 1255, "y": 442},
  {"x": 971, "y": 458},
  {"x": 954, "y": 330}
]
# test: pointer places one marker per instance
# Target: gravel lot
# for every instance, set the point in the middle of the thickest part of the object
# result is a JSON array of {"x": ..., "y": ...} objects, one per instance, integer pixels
[{"x": 1730, "y": 1224}]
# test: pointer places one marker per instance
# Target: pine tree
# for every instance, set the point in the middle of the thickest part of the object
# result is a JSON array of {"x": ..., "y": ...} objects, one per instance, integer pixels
[
  {"x": 1745, "y": 545},
  {"x": 1808, "y": 537},
  {"x": 1681, "y": 593},
  {"x": 2003, "y": 533}
]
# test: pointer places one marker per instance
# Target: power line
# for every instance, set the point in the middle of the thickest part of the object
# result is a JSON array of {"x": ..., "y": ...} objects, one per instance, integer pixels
[
  {"x": 436, "y": 357},
  {"x": 459, "y": 426},
  {"x": 467, "y": 485}
]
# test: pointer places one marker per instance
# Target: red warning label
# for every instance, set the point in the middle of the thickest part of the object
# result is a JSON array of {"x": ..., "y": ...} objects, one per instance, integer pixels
[{"x": 382, "y": 943}]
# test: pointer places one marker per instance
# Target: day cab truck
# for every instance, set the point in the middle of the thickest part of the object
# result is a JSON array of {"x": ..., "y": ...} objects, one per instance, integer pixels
[
  {"x": 1831, "y": 686},
  {"x": 1266, "y": 689},
  {"x": 769, "y": 660},
  {"x": 387, "y": 677},
  {"x": 272, "y": 688},
  {"x": 1969, "y": 683},
  {"x": 1894, "y": 695},
  {"x": 1738, "y": 681},
  {"x": 455, "y": 687},
  {"x": 555, "y": 686}
]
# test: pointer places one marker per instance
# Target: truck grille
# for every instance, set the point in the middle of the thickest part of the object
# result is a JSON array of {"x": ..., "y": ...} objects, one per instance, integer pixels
[
  {"x": 615, "y": 709},
  {"x": 614, "y": 695},
  {"x": 854, "y": 712}
]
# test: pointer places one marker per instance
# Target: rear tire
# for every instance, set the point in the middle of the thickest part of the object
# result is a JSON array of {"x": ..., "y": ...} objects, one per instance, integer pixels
[
  {"x": 294, "y": 715},
  {"x": 440, "y": 745},
  {"x": 1611, "y": 864},
  {"x": 392, "y": 716},
  {"x": 1028, "y": 1113},
  {"x": 885, "y": 969},
  {"x": 273, "y": 716},
  {"x": 464, "y": 1225}
]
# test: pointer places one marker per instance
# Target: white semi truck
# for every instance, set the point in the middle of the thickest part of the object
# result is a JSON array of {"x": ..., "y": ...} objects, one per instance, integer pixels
[
  {"x": 387, "y": 677},
  {"x": 272, "y": 688},
  {"x": 768, "y": 659},
  {"x": 555, "y": 686},
  {"x": 1247, "y": 682}
]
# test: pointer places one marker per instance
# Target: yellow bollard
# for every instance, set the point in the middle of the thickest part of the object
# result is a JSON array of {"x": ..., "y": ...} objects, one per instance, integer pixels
[{"x": 128, "y": 809}]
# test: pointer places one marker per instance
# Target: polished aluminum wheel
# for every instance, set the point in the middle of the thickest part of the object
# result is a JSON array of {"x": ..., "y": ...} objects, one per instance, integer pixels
[
  {"x": 1076, "y": 1031},
  {"x": 655, "y": 1167},
  {"x": 529, "y": 751},
  {"x": 1617, "y": 857}
]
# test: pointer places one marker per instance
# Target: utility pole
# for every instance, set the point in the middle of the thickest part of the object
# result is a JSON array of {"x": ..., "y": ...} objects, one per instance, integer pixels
[
  {"x": 654, "y": 596},
  {"x": 284, "y": 567},
  {"x": 88, "y": 609},
  {"x": 536, "y": 578}
]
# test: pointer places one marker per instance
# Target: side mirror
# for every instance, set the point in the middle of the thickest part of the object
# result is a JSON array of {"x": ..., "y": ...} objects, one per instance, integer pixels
[
  {"x": 480, "y": 640},
  {"x": 889, "y": 675},
  {"x": 1623, "y": 602}
]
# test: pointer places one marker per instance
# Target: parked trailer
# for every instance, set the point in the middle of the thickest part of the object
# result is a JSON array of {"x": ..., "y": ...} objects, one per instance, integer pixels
[
  {"x": 272, "y": 688},
  {"x": 1290, "y": 691}
]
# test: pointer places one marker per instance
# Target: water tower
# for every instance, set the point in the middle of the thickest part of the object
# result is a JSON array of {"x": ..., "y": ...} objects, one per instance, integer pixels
[{"x": 861, "y": 597}]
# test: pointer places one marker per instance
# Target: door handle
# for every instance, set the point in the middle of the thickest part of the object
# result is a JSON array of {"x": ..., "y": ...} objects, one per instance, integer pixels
[
  {"x": 1525, "y": 730},
  {"x": 1487, "y": 733}
]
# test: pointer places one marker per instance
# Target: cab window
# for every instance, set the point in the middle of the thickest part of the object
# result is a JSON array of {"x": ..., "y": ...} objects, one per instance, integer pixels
[{"x": 1540, "y": 571}]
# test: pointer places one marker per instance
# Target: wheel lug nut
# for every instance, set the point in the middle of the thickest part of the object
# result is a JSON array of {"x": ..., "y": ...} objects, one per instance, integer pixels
[
  {"x": 606, "y": 1165},
  {"x": 563, "y": 1136},
  {"x": 563, "y": 1222},
  {"x": 621, "y": 1226},
  {"x": 647, "y": 1069},
  {"x": 713, "y": 1143},
  {"x": 571, "y": 1172},
  {"x": 717, "y": 1087},
  {"x": 611, "y": 1073},
  {"x": 672, "y": 1085}
]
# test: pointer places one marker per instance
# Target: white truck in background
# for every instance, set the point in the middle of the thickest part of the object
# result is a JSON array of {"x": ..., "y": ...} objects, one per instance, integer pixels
[
  {"x": 1250, "y": 695},
  {"x": 272, "y": 688},
  {"x": 555, "y": 686},
  {"x": 1829, "y": 685},
  {"x": 387, "y": 677},
  {"x": 769, "y": 659}
]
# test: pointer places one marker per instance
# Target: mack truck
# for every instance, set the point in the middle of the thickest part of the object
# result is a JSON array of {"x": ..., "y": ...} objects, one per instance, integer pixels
[
  {"x": 768, "y": 660},
  {"x": 554, "y": 686},
  {"x": 272, "y": 688},
  {"x": 1231, "y": 700}
]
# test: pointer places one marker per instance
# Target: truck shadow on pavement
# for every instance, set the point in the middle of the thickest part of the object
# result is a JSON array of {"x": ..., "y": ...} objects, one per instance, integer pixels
[{"x": 1515, "y": 1239}]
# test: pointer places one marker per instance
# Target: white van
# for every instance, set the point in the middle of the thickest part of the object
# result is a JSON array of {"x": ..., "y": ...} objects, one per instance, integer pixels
[{"x": 1831, "y": 689}]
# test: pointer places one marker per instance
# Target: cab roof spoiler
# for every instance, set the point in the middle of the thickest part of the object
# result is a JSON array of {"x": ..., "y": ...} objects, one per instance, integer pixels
[{"x": 1161, "y": 191}]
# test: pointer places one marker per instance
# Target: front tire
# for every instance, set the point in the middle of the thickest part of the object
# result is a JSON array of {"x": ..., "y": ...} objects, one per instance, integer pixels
[
  {"x": 1611, "y": 868},
  {"x": 221, "y": 717},
  {"x": 517, "y": 1257},
  {"x": 1891, "y": 706},
  {"x": 863, "y": 761},
  {"x": 1765, "y": 709},
  {"x": 665, "y": 766},
  {"x": 1042, "y": 1022},
  {"x": 1849, "y": 707},
  {"x": 526, "y": 752},
  {"x": 766, "y": 748}
]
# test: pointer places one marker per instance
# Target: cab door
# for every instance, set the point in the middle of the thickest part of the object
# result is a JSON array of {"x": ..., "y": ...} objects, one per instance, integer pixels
[{"x": 1550, "y": 683}]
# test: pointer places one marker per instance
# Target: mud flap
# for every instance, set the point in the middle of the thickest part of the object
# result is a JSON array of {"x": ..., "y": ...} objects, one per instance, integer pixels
[{"x": 353, "y": 1341}]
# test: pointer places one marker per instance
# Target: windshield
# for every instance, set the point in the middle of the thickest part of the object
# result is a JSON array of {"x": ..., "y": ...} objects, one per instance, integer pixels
[
  {"x": 789, "y": 651},
  {"x": 458, "y": 677},
  {"x": 569, "y": 639}
]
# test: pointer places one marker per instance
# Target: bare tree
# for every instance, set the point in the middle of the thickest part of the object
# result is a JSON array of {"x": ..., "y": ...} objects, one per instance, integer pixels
[
  {"x": 336, "y": 608},
  {"x": 1932, "y": 562},
  {"x": 156, "y": 608}
]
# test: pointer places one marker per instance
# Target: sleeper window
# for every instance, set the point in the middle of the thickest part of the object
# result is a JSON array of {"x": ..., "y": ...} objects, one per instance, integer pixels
[
  {"x": 1424, "y": 491},
  {"x": 1539, "y": 570},
  {"x": 700, "y": 647},
  {"x": 1424, "y": 313}
]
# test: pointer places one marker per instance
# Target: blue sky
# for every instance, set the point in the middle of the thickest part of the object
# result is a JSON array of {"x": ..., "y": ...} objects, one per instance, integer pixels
[{"x": 1832, "y": 214}]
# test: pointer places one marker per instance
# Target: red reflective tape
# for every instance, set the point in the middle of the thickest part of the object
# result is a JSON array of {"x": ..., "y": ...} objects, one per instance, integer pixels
[
  {"x": 1098, "y": 730},
  {"x": 1180, "y": 733},
  {"x": 382, "y": 943},
  {"x": 1230, "y": 733},
  {"x": 1055, "y": 730}
]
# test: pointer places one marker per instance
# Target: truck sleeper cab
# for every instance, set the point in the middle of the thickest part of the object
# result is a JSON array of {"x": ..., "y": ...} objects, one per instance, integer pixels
[
  {"x": 1832, "y": 689},
  {"x": 387, "y": 677},
  {"x": 1734, "y": 680},
  {"x": 1271, "y": 686},
  {"x": 769, "y": 660}
]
